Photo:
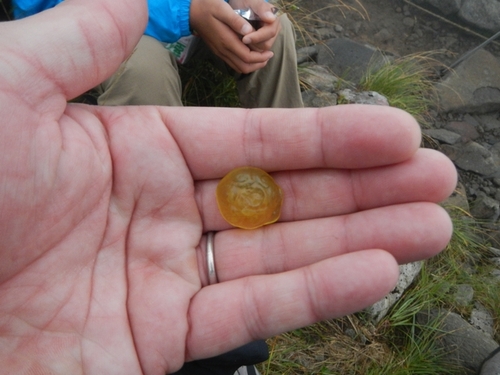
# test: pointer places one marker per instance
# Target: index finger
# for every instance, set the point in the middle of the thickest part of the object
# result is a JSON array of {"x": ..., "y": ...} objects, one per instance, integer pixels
[{"x": 216, "y": 140}]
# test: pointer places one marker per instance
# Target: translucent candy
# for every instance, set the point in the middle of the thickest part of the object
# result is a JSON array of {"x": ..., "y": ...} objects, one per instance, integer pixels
[{"x": 249, "y": 198}]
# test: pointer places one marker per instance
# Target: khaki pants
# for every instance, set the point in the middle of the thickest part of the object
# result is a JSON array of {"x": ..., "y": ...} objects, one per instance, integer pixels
[{"x": 150, "y": 76}]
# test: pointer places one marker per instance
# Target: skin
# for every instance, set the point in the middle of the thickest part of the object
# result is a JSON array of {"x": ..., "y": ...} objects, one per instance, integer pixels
[
  {"x": 231, "y": 37},
  {"x": 103, "y": 210}
]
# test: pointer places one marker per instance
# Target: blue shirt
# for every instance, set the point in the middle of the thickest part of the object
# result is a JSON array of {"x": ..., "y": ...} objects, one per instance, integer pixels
[{"x": 168, "y": 19}]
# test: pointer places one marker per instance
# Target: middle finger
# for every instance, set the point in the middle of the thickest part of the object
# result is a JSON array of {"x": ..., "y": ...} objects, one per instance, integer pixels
[{"x": 427, "y": 176}]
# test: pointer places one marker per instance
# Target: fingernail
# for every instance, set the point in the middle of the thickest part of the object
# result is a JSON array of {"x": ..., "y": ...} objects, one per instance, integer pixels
[
  {"x": 246, "y": 40},
  {"x": 270, "y": 15},
  {"x": 246, "y": 29}
]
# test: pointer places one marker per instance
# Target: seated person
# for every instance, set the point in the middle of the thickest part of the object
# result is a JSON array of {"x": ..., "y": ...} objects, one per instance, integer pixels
[{"x": 263, "y": 62}]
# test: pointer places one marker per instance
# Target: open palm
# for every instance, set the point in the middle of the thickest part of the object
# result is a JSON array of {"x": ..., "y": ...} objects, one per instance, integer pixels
[{"x": 103, "y": 210}]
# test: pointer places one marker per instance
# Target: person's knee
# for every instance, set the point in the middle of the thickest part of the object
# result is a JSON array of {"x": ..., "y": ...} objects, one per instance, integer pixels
[
  {"x": 148, "y": 77},
  {"x": 149, "y": 62},
  {"x": 287, "y": 30}
]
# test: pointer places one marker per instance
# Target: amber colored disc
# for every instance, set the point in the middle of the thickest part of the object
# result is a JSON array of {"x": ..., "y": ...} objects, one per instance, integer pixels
[{"x": 249, "y": 198}]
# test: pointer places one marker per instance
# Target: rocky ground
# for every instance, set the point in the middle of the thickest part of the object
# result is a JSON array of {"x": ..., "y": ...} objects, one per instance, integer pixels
[{"x": 465, "y": 125}]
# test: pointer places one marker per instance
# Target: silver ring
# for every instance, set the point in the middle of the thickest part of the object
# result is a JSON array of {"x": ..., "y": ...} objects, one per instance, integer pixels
[{"x": 212, "y": 275}]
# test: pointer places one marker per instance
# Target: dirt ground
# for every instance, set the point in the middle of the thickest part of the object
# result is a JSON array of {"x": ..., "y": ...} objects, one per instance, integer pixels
[{"x": 398, "y": 27}]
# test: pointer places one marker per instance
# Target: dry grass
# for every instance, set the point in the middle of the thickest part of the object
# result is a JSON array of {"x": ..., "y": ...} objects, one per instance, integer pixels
[
  {"x": 341, "y": 346},
  {"x": 304, "y": 20},
  {"x": 398, "y": 345}
]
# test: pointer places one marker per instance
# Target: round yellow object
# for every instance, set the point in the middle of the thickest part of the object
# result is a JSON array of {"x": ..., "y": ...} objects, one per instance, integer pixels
[{"x": 249, "y": 198}]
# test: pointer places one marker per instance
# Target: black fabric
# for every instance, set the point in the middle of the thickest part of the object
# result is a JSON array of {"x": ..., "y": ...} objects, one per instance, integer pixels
[
  {"x": 251, "y": 370},
  {"x": 5, "y": 10},
  {"x": 227, "y": 363}
]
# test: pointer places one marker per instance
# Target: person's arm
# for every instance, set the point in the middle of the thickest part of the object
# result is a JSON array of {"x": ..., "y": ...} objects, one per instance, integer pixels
[
  {"x": 219, "y": 26},
  {"x": 168, "y": 19}
]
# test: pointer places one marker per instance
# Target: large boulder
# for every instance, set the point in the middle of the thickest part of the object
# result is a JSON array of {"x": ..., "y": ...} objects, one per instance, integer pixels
[
  {"x": 350, "y": 60},
  {"x": 484, "y": 14},
  {"x": 445, "y": 6},
  {"x": 464, "y": 345},
  {"x": 473, "y": 87}
]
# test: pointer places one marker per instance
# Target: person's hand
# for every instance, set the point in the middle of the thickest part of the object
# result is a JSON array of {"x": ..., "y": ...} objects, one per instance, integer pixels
[
  {"x": 103, "y": 210},
  {"x": 222, "y": 30},
  {"x": 263, "y": 38}
]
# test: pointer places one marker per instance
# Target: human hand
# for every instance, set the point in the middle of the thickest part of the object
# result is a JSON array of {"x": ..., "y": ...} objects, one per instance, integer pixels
[
  {"x": 222, "y": 29},
  {"x": 262, "y": 39},
  {"x": 103, "y": 210}
]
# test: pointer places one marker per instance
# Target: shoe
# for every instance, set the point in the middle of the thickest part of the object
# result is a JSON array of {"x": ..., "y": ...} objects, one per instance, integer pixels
[
  {"x": 247, "y": 370},
  {"x": 491, "y": 365}
]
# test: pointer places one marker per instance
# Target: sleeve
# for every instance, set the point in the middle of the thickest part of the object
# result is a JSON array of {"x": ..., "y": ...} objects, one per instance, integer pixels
[
  {"x": 25, "y": 8},
  {"x": 168, "y": 19}
]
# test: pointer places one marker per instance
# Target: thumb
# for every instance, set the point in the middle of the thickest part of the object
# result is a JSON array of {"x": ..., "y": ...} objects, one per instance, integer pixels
[{"x": 68, "y": 49}]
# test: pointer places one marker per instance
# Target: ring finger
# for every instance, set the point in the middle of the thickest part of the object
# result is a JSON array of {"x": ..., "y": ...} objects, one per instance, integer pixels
[{"x": 409, "y": 232}]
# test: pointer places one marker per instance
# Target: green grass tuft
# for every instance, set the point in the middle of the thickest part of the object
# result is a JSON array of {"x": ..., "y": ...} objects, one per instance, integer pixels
[{"x": 407, "y": 83}]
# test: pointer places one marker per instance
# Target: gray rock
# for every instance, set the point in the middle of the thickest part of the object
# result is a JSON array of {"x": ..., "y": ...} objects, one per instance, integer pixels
[
  {"x": 489, "y": 122},
  {"x": 407, "y": 273},
  {"x": 495, "y": 151},
  {"x": 465, "y": 345},
  {"x": 497, "y": 195},
  {"x": 406, "y": 10},
  {"x": 476, "y": 158},
  {"x": 467, "y": 131},
  {"x": 485, "y": 208},
  {"x": 494, "y": 251},
  {"x": 324, "y": 33},
  {"x": 484, "y": 14},
  {"x": 445, "y": 6},
  {"x": 379, "y": 309},
  {"x": 306, "y": 54},
  {"x": 448, "y": 41},
  {"x": 338, "y": 28},
  {"x": 491, "y": 365},
  {"x": 409, "y": 21},
  {"x": 443, "y": 135},
  {"x": 473, "y": 87},
  {"x": 481, "y": 319},
  {"x": 383, "y": 36},
  {"x": 472, "y": 119},
  {"x": 348, "y": 96},
  {"x": 318, "y": 99},
  {"x": 348, "y": 59},
  {"x": 464, "y": 294},
  {"x": 318, "y": 78},
  {"x": 488, "y": 97}
]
